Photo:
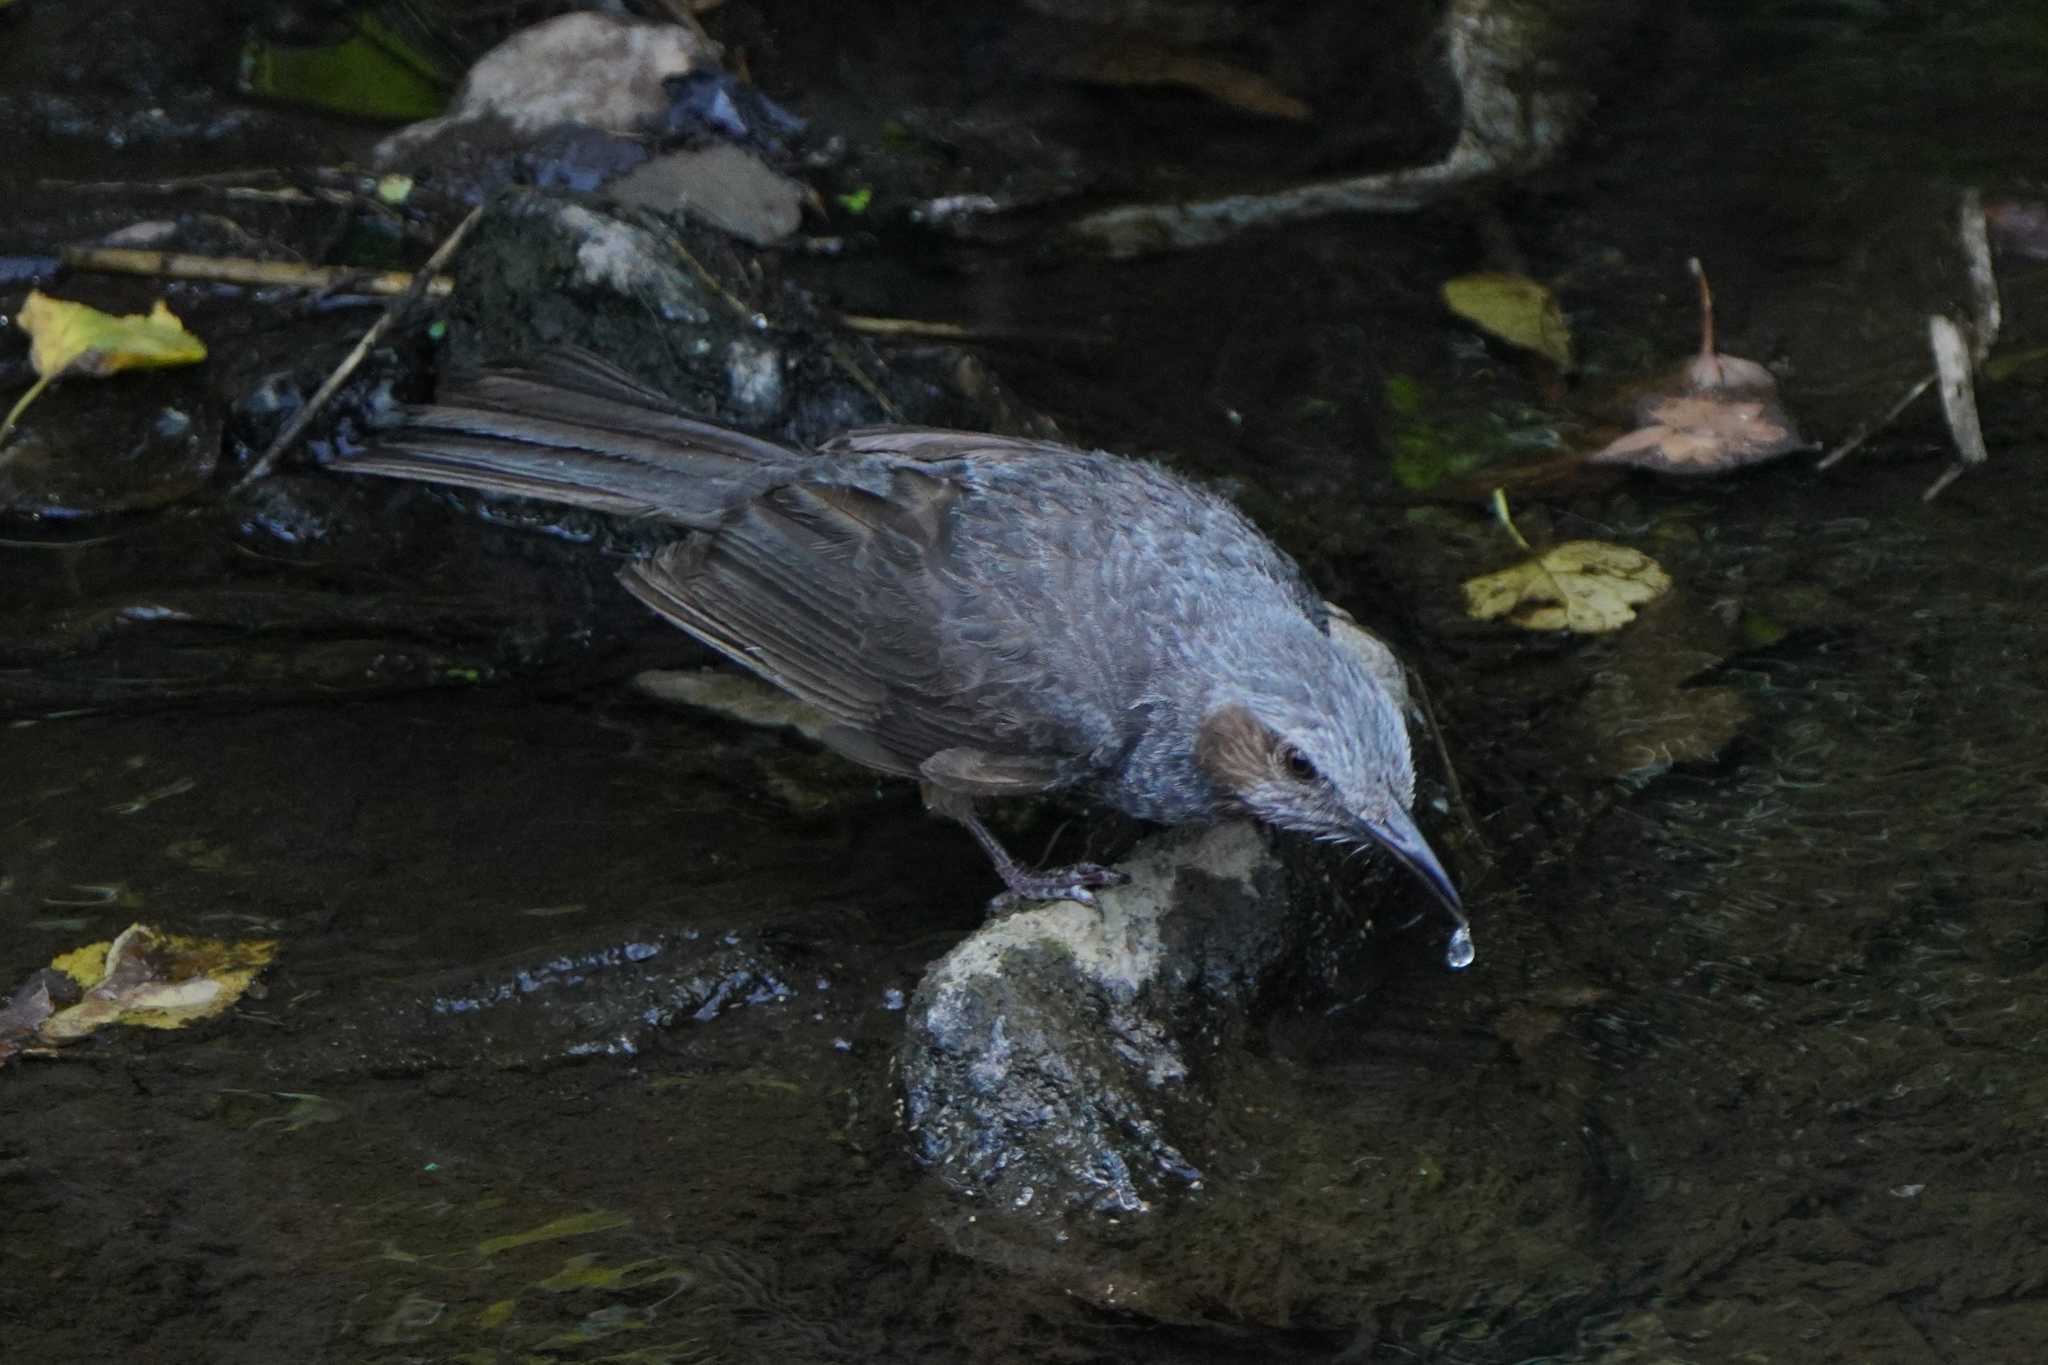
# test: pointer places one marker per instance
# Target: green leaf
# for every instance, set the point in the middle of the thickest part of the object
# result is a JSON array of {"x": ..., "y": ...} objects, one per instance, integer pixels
[{"x": 1516, "y": 309}]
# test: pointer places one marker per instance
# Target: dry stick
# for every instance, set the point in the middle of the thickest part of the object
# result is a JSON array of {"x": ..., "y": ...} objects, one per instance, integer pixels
[
  {"x": 1985, "y": 317},
  {"x": 256, "y": 193},
  {"x": 869, "y": 325},
  {"x": 861, "y": 377},
  {"x": 1699, "y": 272},
  {"x": 1420, "y": 690},
  {"x": 709, "y": 280},
  {"x": 203, "y": 180},
  {"x": 326, "y": 391},
  {"x": 1869, "y": 429},
  {"x": 185, "y": 265},
  {"x": 921, "y": 329},
  {"x": 1947, "y": 477}
]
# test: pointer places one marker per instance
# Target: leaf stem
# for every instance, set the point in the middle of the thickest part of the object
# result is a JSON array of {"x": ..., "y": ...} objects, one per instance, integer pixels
[{"x": 13, "y": 413}]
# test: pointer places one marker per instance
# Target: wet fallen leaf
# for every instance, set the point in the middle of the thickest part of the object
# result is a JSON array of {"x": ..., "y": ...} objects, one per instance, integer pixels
[
  {"x": 151, "y": 979},
  {"x": 1587, "y": 586},
  {"x": 574, "y": 1225},
  {"x": 71, "y": 339},
  {"x": 1514, "y": 308},
  {"x": 1703, "y": 435},
  {"x": 34, "y": 1001},
  {"x": 1635, "y": 725},
  {"x": 373, "y": 70},
  {"x": 1719, "y": 412}
]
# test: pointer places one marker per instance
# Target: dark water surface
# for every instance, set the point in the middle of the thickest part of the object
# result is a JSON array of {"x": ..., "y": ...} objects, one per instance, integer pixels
[{"x": 580, "y": 1044}]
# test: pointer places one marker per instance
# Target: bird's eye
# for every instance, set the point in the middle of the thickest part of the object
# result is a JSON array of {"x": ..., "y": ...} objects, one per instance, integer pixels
[{"x": 1299, "y": 766}]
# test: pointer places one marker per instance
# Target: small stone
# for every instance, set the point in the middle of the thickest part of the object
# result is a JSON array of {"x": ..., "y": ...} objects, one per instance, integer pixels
[{"x": 720, "y": 185}]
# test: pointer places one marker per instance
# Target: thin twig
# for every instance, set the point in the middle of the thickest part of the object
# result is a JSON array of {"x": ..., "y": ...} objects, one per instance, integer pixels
[
  {"x": 1420, "y": 690},
  {"x": 186, "y": 265},
  {"x": 846, "y": 362},
  {"x": 321, "y": 397},
  {"x": 284, "y": 194},
  {"x": 868, "y": 324},
  {"x": 1948, "y": 476},
  {"x": 709, "y": 280},
  {"x": 1869, "y": 429}
]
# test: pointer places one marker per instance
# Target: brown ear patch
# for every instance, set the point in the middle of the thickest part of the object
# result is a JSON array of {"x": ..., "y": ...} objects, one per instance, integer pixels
[{"x": 1234, "y": 749}]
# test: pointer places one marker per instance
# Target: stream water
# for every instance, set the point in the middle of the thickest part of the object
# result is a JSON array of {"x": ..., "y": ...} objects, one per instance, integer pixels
[{"x": 581, "y": 1043}]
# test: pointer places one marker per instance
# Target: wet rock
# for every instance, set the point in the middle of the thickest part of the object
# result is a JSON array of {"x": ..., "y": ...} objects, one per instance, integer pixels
[
  {"x": 586, "y": 69},
  {"x": 573, "y": 158},
  {"x": 271, "y": 399},
  {"x": 697, "y": 316},
  {"x": 284, "y": 515},
  {"x": 721, "y": 185},
  {"x": 1045, "y": 1052}
]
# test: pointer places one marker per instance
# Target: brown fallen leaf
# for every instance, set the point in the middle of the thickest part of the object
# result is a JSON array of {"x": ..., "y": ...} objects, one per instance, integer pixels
[{"x": 1717, "y": 413}]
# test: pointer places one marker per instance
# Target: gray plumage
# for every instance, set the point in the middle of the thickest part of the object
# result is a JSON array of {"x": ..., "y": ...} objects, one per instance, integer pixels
[{"x": 989, "y": 615}]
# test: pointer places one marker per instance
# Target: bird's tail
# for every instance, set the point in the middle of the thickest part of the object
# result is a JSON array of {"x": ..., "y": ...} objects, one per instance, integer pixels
[{"x": 576, "y": 431}]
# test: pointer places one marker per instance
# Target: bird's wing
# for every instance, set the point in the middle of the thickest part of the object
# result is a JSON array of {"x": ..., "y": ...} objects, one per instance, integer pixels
[
  {"x": 978, "y": 772},
  {"x": 835, "y": 594},
  {"x": 932, "y": 445}
]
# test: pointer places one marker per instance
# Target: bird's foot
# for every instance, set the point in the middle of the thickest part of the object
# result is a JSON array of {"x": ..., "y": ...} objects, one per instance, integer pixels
[{"x": 1077, "y": 883}]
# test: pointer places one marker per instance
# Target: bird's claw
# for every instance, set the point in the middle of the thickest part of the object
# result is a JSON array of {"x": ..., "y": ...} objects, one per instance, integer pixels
[{"x": 1077, "y": 883}]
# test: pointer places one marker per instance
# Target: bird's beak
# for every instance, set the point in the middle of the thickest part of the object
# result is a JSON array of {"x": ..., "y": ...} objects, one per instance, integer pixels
[{"x": 1399, "y": 836}]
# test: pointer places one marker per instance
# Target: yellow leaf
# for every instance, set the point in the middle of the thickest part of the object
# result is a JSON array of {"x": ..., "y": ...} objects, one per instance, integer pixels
[
  {"x": 70, "y": 338},
  {"x": 151, "y": 979},
  {"x": 1516, "y": 309},
  {"x": 1588, "y": 586}
]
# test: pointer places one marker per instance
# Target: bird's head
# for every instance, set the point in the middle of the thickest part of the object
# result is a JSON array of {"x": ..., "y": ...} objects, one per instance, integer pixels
[{"x": 1331, "y": 763}]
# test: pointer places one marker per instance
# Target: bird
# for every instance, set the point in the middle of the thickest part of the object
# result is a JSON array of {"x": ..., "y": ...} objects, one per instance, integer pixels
[{"x": 989, "y": 615}]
